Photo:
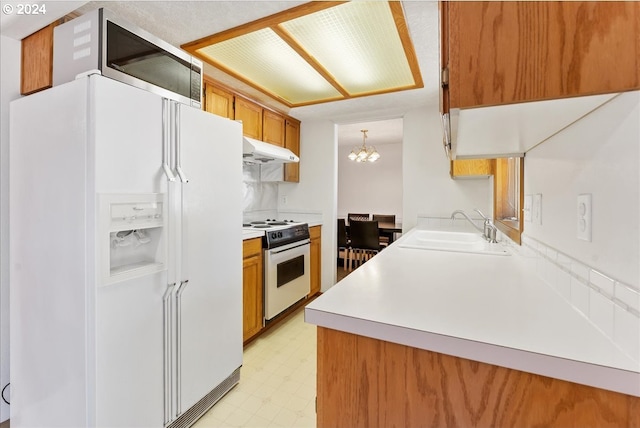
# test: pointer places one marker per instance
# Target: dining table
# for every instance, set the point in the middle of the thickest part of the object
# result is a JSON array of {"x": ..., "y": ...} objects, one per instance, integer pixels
[{"x": 386, "y": 229}]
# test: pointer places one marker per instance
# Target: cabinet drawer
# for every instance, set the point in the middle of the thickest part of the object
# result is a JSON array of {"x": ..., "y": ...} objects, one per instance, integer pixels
[{"x": 251, "y": 247}]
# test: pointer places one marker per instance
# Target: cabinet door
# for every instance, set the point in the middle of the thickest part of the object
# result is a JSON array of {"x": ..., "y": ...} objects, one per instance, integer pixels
[
  {"x": 251, "y": 116},
  {"x": 37, "y": 61},
  {"x": 273, "y": 129},
  {"x": 252, "y": 296},
  {"x": 316, "y": 260},
  {"x": 508, "y": 52},
  {"x": 218, "y": 101},
  {"x": 292, "y": 142},
  {"x": 471, "y": 168}
]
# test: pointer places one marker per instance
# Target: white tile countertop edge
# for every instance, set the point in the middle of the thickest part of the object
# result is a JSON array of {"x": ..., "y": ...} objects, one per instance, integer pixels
[{"x": 541, "y": 334}]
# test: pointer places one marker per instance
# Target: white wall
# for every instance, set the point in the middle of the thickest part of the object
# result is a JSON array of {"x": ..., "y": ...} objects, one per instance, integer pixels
[
  {"x": 428, "y": 188},
  {"x": 374, "y": 188},
  {"x": 316, "y": 191},
  {"x": 9, "y": 90},
  {"x": 597, "y": 155}
]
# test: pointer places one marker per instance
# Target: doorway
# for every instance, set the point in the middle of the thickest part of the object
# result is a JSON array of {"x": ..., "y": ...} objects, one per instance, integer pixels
[{"x": 370, "y": 187}]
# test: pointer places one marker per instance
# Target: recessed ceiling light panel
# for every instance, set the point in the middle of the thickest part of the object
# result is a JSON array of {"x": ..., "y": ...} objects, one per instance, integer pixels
[
  {"x": 357, "y": 43},
  {"x": 265, "y": 59},
  {"x": 319, "y": 51}
]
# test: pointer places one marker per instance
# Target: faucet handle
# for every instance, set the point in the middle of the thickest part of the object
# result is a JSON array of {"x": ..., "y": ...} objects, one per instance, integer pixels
[{"x": 481, "y": 215}]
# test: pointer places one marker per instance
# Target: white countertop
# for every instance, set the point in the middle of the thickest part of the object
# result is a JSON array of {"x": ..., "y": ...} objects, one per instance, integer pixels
[
  {"x": 250, "y": 234},
  {"x": 492, "y": 309}
]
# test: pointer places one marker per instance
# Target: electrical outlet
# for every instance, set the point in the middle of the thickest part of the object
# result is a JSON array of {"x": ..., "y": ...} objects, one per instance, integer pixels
[
  {"x": 536, "y": 212},
  {"x": 584, "y": 217},
  {"x": 284, "y": 200},
  {"x": 527, "y": 208}
]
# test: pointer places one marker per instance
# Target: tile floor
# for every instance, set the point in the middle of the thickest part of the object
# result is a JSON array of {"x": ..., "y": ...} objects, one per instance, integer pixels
[{"x": 277, "y": 382}]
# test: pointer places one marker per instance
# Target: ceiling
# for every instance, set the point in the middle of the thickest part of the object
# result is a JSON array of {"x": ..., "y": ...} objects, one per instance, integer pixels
[{"x": 179, "y": 22}]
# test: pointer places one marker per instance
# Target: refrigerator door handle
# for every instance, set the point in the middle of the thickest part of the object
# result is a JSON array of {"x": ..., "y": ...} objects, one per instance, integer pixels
[
  {"x": 176, "y": 130},
  {"x": 178, "y": 383},
  {"x": 166, "y": 140},
  {"x": 168, "y": 352}
]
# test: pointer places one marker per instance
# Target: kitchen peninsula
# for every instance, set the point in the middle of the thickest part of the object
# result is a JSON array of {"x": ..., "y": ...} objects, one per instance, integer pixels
[{"x": 433, "y": 338}]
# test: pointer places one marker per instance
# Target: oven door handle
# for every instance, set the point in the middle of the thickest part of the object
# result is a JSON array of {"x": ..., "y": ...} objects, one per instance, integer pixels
[{"x": 284, "y": 248}]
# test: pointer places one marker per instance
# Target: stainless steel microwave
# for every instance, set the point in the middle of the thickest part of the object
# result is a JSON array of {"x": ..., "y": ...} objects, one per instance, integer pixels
[{"x": 99, "y": 41}]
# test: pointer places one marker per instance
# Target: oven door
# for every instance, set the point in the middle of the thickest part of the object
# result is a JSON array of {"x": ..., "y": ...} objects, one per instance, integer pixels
[{"x": 286, "y": 276}]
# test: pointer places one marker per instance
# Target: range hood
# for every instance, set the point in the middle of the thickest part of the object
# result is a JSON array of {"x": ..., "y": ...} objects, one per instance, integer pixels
[{"x": 259, "y": 152}]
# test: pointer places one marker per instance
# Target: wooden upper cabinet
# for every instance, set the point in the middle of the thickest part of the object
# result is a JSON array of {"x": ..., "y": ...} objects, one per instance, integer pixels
[
  {"x": 471, "y": 168},
  {"x": 37, "y": 61},
  {"x": 508, "y": 52},
  {"x": 251, "y": 116},
  {"x": 273, "y": 128},
  {"x": 218, "y": 101},
  {"x": 292, "y": 142}
]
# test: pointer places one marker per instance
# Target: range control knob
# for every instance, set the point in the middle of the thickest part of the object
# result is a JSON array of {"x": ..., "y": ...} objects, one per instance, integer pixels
[{"x": 274, "y": 235}]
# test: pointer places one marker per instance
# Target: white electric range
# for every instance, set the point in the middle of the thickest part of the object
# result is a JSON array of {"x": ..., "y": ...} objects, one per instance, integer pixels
[{"x": 287, "y": 264}]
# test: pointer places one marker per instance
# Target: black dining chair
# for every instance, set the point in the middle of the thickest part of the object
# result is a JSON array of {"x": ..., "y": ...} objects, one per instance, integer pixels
[
  {"x": 359, "y": 217},
  {"x": 343, "y": 242},
  {"x": 385, "y": 238},
  {"x": 365, "y": 241}
]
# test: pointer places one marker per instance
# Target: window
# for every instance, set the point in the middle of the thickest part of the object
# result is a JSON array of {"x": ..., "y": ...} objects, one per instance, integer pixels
[{"x": 508, "y": 196}]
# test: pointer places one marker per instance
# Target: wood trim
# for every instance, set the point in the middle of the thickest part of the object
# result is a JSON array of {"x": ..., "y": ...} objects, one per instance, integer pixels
[
  {"x": 513, "y": 229},
  {"x": 365, "y": 382},
  {"x": 405, "y": 38}
]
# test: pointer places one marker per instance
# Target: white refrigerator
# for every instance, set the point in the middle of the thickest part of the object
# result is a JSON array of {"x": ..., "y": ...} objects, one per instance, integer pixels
[{"x": 125, "y": 257}]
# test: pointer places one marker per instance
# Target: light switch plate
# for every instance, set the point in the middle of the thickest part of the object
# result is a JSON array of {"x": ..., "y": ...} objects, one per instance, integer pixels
[
  {"x": 536, "y": 213},
  {"x": 583, "y": 224}
]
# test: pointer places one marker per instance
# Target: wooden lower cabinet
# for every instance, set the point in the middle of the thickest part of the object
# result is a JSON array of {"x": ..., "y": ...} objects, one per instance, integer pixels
[
  {"x": 252, "y": 294},
  {"x": 364, "y": 382},
  {"x": 316, "y": 260}
]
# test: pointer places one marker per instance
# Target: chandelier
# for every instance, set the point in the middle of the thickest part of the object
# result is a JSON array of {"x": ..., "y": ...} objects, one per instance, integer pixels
[{"x": 364, "y": 153}]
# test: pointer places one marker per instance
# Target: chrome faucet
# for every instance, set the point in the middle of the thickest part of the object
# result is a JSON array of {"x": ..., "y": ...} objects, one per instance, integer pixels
[{"x": 489, "y": 231}]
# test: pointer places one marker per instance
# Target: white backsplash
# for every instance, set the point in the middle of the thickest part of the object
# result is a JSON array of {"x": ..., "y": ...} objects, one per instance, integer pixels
[
  {"x": 611, "y": 305},
  {"x": 260, "y": 199}
]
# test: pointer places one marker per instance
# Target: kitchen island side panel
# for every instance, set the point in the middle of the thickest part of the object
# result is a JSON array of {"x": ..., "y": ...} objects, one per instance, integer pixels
[{"x": 365, "y": 382}]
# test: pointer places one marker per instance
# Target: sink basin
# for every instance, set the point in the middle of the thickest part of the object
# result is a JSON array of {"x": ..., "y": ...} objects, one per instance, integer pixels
[{"x": 462, "y": 242}]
